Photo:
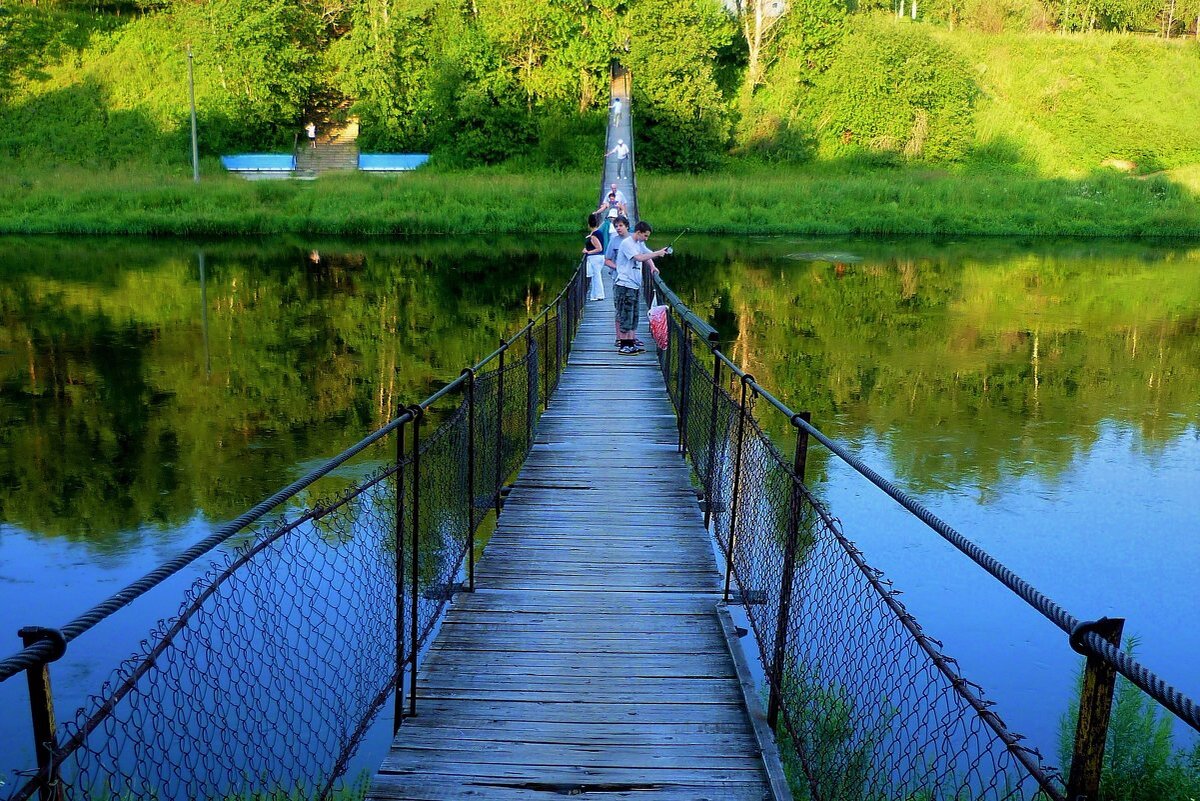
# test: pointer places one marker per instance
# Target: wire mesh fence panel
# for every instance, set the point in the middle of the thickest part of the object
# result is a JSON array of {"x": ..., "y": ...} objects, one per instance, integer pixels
[
  {"x": 442, "y": 517},
  {"x": 869, "y": 707},
  {"x": 233, "y": 696},
  {"x": 270, "y": 674}
]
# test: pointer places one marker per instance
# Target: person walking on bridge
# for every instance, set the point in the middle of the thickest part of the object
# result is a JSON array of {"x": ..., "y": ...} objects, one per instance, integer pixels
[
  {"x": 632, "y": 254},
  {"x": 622, "y": 152}
]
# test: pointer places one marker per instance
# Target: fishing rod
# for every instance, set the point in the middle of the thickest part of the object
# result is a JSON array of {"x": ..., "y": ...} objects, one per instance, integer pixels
[{"x": 676, "y": 239}]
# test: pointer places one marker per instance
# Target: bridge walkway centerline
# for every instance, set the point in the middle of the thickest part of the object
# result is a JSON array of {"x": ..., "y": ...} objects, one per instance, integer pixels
[{"x": 590, "y": 660}]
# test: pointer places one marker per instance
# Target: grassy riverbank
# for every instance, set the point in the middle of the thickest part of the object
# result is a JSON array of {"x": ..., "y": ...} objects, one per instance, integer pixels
[{"x": 817, "y": 199}]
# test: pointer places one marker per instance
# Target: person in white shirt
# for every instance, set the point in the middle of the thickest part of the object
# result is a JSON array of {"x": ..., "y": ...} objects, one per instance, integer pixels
[
  {"x": 631, "y": 255},
  {"x": 622, "y": 153},
  {"x": 620, "y": 196}
]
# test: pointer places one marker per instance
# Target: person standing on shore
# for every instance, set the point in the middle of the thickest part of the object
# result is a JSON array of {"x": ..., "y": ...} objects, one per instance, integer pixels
[
  {"x": 631, "y": 255},
  {"x": 311, "y": 131}
]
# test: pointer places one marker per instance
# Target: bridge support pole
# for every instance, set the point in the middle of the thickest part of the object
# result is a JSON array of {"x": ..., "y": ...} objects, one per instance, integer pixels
[
  {"x": 737, "y": 485},
  {"x": 398, "y": 706},
  {"x": 685, "y": 355},
  {"x": 531, "y": 384},
  {"x": 470, "y": 374},
  {"x": 418, "y": 413},
  {"x": 500, "y": 426},
  {"x": 783, "y": 623},
  {"x": 41, "y": 708},
  {"x": 544, "y": 362},
  {"x": 1095, "y": 707},
  {"x": 709, "y": 481}
]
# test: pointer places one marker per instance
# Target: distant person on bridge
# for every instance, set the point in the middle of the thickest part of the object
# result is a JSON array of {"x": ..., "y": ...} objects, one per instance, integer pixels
[
  {"x": 593, "y": 251},
  {"x": 613, "y": 205},
  {"x": 631, "y": 256},
  {"x": 622, "y": 152},
  {"x": 620, "y": 196},
  {"x": 616, "y": 110}
]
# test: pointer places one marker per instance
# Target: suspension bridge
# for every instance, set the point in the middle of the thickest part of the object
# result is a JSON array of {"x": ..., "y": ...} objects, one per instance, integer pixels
[{"x": 636, "y": 509}]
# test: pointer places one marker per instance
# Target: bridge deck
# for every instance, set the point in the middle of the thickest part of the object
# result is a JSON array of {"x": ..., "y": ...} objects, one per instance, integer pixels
[{"x": 590, "y": 659}]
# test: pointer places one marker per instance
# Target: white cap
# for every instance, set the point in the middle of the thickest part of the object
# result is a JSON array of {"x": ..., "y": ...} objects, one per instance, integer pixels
[
  {"x": 620, "y": 141},
  {"x": 612, "y": 213}
]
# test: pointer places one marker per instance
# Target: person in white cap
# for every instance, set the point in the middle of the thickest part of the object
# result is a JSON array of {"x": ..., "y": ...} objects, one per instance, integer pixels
[{"x": 622, "y": 152}]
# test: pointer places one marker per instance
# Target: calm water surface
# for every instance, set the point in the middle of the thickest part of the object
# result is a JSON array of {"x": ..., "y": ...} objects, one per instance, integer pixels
[{"x": 1041, "y": 397}]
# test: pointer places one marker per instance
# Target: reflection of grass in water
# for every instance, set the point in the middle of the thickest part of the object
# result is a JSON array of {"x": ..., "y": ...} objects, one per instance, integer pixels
[
  {"x": 1142, "y": 761},
  {"x": 839, "y": 749}
]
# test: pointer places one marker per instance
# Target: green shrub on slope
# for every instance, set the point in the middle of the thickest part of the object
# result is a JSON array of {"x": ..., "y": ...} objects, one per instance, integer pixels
[{"x": 892, "y": 88}]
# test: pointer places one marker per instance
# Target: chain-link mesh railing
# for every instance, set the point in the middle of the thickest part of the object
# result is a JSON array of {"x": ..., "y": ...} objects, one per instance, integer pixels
[
  {"x": 283, "y": 653},
  {"x": 865, "y": 704}
]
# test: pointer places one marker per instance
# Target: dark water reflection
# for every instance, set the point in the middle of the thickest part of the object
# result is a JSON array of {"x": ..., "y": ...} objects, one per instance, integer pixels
[
  {"x": 144, "y": 399},
  {"x": 1041, "y": 397}
]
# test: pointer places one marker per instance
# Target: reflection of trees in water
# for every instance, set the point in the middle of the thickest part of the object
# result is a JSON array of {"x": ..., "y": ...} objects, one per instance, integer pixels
[
  {"x": 972, "y": 362},
  {"x": 123, "y": 405}
]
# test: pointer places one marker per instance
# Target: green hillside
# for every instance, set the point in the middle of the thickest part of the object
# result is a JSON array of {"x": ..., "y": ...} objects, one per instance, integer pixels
[{"x": 1064, "y": 104}]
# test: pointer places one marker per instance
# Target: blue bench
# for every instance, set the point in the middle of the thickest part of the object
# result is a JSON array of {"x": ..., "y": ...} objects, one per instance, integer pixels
[
  {"x": 391, "y": 162},
  {"x": 261, "y": 164}
]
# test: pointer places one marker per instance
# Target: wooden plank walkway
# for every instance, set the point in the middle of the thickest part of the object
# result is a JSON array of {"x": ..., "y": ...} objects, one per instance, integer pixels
[{"x": 589, "y": 661}]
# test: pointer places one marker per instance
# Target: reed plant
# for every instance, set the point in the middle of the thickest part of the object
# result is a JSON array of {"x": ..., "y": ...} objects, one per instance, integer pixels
[{"x": 1143, "y": 758}]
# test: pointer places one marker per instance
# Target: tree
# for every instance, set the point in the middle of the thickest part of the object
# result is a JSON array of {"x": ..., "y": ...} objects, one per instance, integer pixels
[
  {"x": 683, "y": 119},
  {"x": 759, "y": 21}
]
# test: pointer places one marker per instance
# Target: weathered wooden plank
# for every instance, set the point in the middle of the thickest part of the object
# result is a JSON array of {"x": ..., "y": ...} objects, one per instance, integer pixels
[
  {"x": 387, "y": 787},
  {"x": 589, "y": 661}
]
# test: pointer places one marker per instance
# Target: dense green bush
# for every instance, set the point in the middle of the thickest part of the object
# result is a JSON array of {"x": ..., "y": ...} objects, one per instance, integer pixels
[{"x": 893, "y": 88}]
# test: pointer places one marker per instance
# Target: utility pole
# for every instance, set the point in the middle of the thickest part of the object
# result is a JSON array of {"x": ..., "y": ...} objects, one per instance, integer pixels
[{"x": 192, "y": 99}]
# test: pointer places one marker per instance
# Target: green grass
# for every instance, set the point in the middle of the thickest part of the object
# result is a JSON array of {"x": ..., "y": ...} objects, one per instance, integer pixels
[
  {"x": 1061, "y": 104},
  {"x": 744, "y": 199},
  {"x": 1143, "y": 761}
]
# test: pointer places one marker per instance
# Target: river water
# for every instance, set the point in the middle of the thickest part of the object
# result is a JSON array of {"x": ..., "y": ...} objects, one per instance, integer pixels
[{"x": 1041, "y": 397}]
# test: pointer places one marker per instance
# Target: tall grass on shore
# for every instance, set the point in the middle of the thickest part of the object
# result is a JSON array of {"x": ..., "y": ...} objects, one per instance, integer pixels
[
  {"x": 1143, "y": 760},
  {"x": 829, "y": 199}
]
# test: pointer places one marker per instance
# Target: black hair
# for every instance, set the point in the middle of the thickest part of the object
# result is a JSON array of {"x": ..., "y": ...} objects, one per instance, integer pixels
[
  {"x": 621, "y": 220},
  {"x": 593, "y": 220},
  {"x": 642, "y": 227}
]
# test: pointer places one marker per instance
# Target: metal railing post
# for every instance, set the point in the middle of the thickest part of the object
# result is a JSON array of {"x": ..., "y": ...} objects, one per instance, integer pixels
[
  {"x": 398, "y": 706},
  {"x": 799, "y": 464},
  {"x": 544, "y": 362},
  {"x": 530, "y": 384},
  {"x": 737, "y": 485},
  {"x": 418, "y": 413},
  {"x": 558, "y": 344},
  {"x": 684, "y": 382},
  {"x": 712, "y": 440},
  {"x": 41, "y": 710},
  {"x": 470, "y": 374},
  {"x": 1095, "y": 707},
  {"x": 500, "y": 426}
]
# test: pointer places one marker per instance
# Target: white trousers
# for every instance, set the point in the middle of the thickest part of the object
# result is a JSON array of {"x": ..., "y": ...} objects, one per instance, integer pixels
[{"x": 595, "y": 268}]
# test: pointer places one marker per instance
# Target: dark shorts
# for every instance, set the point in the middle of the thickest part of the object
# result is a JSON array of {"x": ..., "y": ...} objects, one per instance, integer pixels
[{"x": 625, "y": 299}]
